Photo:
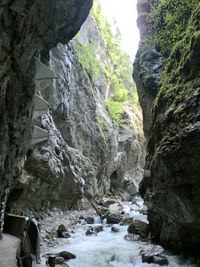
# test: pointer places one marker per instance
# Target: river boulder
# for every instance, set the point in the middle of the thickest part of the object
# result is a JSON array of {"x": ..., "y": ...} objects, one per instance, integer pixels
[
  {"x": 113, "y": 218},
  {"x": 139, "y": 228}
]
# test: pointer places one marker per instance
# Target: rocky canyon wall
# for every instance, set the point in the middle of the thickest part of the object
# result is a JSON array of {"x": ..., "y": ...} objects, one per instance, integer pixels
[
  {"x": 167, "y": 74},
  {"x": 86, "y": 154},
  {"x": 26, "y": 28}
]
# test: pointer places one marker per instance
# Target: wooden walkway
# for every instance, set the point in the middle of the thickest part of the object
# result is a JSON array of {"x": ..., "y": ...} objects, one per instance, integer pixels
[{"x": 8, "y": 248}]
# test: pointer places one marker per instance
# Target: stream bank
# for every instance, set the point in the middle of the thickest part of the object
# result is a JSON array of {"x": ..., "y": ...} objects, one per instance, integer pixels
[{"x": 111, "y": 247}]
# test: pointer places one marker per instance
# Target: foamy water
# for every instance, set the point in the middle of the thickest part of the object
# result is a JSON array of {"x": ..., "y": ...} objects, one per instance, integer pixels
[{"x": 108, "y": 249}]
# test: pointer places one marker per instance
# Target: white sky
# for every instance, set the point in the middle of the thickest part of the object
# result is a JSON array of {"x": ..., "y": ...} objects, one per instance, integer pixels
[{"x": 125, "y": 14}]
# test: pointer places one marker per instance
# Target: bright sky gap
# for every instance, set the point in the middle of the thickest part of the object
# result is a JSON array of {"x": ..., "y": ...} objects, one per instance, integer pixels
[{"x": 125, "y": 14}]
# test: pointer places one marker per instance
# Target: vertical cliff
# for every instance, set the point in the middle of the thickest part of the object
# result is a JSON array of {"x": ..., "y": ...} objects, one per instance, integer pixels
[
  {"x": 167, "y": 74},
  {"x": 92, "y": 148},
  {"x": 26, "y": 29}
]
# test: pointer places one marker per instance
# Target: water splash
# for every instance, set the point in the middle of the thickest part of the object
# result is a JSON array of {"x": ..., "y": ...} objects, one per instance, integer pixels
[{"x": 108, "y": 249}]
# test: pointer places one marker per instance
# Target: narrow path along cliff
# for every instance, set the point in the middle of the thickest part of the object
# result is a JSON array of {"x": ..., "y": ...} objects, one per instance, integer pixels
[{"x": 8, "y": 250}]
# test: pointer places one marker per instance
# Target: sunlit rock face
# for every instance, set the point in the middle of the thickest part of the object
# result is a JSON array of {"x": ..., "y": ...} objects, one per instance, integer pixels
[
  {"x": 86, "y": 155},
  {"x": 26, "y": 28},
  {"x": 169, "y": 95}
]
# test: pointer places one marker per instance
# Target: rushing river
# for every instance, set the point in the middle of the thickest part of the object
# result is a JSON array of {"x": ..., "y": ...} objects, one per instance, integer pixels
[{"x": 108, "y": 249}]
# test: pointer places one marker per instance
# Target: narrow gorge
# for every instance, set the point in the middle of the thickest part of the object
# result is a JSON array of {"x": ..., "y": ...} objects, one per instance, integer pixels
[{"x": 92, "y": 147}]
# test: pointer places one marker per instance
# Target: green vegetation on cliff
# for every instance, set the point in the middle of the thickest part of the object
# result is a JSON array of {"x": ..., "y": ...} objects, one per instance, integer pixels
[
  {"x": 87, "y": 57},
  {"x": 176, "y": 31},
  {"x": 115, "y": 109},
  {"x": 169, "y": 19},
  {"x": 103, "y": 59},
  {"x": 120, "y": 73}
]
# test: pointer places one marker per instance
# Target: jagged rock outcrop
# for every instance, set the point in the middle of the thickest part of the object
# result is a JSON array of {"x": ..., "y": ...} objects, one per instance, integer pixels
[
  {"x": 171, "y": 183},
  {"x": 86, "y": 154},
  {"x": 148, "y": 67},
  {"x": 26, "y": 28}
]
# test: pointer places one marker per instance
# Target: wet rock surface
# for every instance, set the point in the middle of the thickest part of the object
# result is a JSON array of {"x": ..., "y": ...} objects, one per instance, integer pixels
[
  {"x": 89, "y": 220},
  {"x": 139, "y": 228},
  {"x": 62, "y": 232},
  {"x": 152, "y": 250},
  {"x": 90, "y": 231},
  {"x": 98, "y": 228},
  {"x": 152, "y": 254},
  {"x": 160, "y": 260},
  {"x": 115, "y": 229},
  {"x": 59, "y": 259},
  {"x": 113, "y": 218}
]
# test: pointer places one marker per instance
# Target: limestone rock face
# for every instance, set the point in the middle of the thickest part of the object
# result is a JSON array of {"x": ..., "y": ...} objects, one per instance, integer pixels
[
  {"x": 26, "y": 28},
  {"x": 86, "y": 155},
  {"x": 171, "y": 182}
]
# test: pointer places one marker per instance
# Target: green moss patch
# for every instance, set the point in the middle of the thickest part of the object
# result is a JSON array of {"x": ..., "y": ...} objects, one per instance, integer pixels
[
  {"x": 181, "y": 73},
  {"x": 87, "y": 57}
]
